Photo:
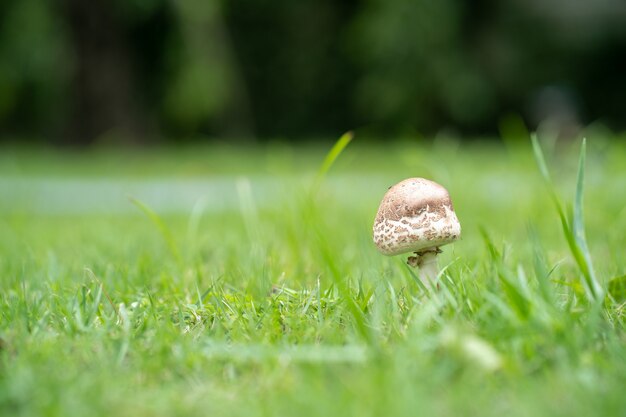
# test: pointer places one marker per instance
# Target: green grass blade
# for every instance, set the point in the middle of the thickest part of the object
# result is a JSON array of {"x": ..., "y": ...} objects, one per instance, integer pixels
[
  {"x": 161, "y": 226},
  {"x": 545, "y": 173},
  {"x": 578, "y": 229},
  {"x": 494, "y": 253},
  {"x": 516, "y": 298},
  {"x": 617, "y": 289},
  {"x": 520, "y": 303},
  {"x": 339, "y": 280},
  {"x": 331, "y": 157},
  {"x": 540, "y": 265},
  {"x": 416, "y": 279},
  {"x": 573, "y": 227},
  {"x": 578, "y": 225}
]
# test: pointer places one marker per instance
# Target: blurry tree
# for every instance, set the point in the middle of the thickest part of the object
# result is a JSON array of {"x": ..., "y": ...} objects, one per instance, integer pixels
[
  {"x": 205, "y": 92},
  {"x": 103, "y": 99},
  {"x": 293, "y": 60},
  {"x": 75, "y": 71},
  {"x": 574, "y": 46},
  {"x": 432, "y": 63},
  {"x": 137, "y": 70},
  {"x": 144, "y": 66},
  {"x": 421, "y": 66},
  {"x": 35, "y": 67}
]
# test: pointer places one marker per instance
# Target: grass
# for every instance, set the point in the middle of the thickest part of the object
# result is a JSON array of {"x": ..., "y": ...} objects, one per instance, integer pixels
[{"x": 286, "y": 308}]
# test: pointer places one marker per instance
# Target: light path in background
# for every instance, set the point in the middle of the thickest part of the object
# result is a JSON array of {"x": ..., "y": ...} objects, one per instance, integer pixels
[
  {"x": 101, "y": 195},
  {"x": 111, "y": 195}
]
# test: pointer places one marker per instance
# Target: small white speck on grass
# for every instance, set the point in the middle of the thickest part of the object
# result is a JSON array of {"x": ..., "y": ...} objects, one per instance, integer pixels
[
  {"x": 122, "y": 318},
  {"x": 472, "y": 348}
]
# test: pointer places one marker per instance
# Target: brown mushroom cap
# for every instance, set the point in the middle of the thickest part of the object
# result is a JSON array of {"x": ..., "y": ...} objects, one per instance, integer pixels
[{"x": 415, "y": 215}]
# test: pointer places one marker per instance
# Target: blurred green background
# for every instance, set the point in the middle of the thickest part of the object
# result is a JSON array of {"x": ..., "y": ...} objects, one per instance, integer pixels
[
  {"x": 153, "y": 71},
  {"x": 195, "y": 255}
]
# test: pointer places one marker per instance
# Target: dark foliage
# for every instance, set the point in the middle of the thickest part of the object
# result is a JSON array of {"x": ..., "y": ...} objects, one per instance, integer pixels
[{"x": 138, "y": 70}]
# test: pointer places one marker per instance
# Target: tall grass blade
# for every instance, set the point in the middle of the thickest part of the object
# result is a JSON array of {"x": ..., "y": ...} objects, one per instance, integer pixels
[
  {"x": 161, "y": 226},
  {"x": 494, "y": 253},
  {"x": 573, "y": 227},
  {"x": 545, "y": 174},
  {"x": 339, "y": 280},
  {"x": 331, "y": 157},
  {"x": 417, "y": 279},
  {"x": 516, "y": 298},
  {"x": 578, "y": 228}
]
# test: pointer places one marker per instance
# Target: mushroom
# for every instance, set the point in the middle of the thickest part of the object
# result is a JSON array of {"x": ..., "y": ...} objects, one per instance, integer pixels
[{"x": 416, "y": 215}]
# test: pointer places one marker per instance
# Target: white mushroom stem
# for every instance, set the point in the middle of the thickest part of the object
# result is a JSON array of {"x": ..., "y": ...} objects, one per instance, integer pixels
[{"x": 428, "y": 270}]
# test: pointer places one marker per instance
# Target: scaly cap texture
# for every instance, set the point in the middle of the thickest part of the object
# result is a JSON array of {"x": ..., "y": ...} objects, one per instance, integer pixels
[{"x": 415, "y": 215}]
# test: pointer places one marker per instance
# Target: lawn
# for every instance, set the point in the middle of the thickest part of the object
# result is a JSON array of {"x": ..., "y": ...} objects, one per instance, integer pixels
[{"x": 221, "y": 281}]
